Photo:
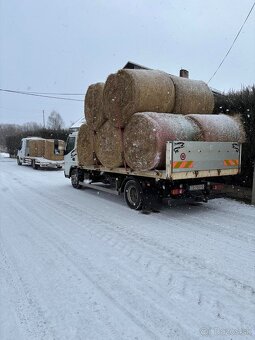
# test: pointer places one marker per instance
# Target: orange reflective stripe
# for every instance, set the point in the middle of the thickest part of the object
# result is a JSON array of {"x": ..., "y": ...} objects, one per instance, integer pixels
[
  {"x": 183, "y": 165},
  {"x": 231, "y": 162},
  {"x": 176, "y": 165},
  {"x": 190, "y": 164}
]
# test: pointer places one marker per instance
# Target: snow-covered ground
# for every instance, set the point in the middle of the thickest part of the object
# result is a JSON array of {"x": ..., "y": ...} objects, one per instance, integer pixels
[
  {"x": 76, "y": 264},
  {"x": 4, "y": 155}
]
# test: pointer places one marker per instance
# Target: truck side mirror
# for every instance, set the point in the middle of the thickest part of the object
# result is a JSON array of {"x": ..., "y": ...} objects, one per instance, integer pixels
[{"x": 20, "y": 146}]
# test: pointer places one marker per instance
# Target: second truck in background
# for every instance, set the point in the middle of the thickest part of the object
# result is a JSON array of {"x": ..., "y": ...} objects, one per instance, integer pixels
[{"x": 41, "y": 153}]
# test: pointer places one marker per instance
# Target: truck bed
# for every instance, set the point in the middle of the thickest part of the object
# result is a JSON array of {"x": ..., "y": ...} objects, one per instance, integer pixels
[
  {"x": 43, "y": 162},
  {"x": 186, "y": 160}
]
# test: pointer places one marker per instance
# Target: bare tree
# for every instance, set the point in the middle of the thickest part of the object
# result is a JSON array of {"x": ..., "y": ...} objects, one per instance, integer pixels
[
  {"x": 7, "y": 130},
  {"x": 31, "y": 126},
  {"x": 55, "y": 121}
]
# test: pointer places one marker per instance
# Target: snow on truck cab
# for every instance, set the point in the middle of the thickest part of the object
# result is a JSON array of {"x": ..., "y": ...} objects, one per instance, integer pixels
[
  {"x": 41, "y": 153},
  {"x": 192, "y": 171}
]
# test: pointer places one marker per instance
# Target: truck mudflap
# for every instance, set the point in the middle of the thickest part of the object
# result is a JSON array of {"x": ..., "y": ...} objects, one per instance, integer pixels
[{"x": 202, "y": 159}]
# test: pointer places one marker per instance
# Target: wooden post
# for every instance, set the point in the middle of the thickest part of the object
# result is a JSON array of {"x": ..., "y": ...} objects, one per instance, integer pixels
[{"x": 253, "y": 188}]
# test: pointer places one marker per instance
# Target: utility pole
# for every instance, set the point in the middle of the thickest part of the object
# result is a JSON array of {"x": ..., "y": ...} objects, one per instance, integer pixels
[
  {"x": 43, "y": 120},
  {"x": 253, "y": 188}
]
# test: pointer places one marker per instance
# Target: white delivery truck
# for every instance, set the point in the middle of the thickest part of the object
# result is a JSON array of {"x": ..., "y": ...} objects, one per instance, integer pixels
[
  {"x": 192, "y": 171},
  {"x": 34, "y": 151}
]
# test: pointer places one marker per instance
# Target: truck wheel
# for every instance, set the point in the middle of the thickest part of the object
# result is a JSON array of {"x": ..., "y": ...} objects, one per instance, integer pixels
[
  {"x": 34, "y": 166},
  {"x": 76, "y": 178},
  {"x": 18, "y": 161},
  {"x": 133, "y": 194}
]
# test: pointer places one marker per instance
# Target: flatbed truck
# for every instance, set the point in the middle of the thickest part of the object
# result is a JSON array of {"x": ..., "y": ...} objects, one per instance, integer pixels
[
  {"x": 192, "y": 171},
  {"x": 25, "y": 158}
]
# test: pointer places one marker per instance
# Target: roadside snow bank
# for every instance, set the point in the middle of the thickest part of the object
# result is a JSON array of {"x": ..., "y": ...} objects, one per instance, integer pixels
[{"x": 4, "y": 155}]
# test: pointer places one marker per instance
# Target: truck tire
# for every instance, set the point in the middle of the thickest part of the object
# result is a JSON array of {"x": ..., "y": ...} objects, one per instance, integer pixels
[
  {"x": 133, "y": 194},
  {"x": 76, "y": 178},
  {"x": 18, "y": 161}
]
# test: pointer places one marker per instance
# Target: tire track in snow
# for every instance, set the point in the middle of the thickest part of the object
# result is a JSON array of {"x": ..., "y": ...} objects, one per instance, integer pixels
[
  {"x": 188, "y": 262},
  {"x": 112, "y": 243},
  {"x": 220, "y": 224},
  {"x": 67, "y": 254},
  {"x": 135, "y": 316},
  {"x": 31, "y": 317},
  {"x": 78, "y": 217}
]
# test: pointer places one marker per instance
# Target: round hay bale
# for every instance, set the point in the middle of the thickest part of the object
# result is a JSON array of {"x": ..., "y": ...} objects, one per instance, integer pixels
[
  {"x": 219, "y": 128},
  {"x": 85, "y": 145},
  {"x": 192, "y": 96},
  {"x": 146, "y": 135},
  {"x": 131, "y": 91},
  {"x": 93, "y": 106},
  {"x": 109, "y": 146}
]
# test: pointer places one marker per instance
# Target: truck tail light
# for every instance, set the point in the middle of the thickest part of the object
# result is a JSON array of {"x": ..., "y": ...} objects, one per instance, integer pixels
[
  {"x": 177, "y": 191},
  {"x": 218, "y": 186}
]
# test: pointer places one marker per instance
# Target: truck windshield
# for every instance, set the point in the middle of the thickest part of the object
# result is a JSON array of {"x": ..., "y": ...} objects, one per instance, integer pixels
[{"x": 70, "y": 144}]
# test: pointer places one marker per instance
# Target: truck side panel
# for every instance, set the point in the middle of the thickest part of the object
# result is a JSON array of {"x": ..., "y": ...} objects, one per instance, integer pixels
[{"x": 202, "y": 159}]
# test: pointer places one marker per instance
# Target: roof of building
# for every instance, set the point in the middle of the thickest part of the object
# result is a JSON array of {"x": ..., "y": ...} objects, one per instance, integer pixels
[
  {"x": 131, "y": 65},
  {"x": 78, "y": 123}
]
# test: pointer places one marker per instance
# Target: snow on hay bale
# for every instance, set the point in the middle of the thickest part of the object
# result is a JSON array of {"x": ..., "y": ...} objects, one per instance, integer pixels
[
  {"x": 131, "y": 91},
  {"x": 54, "y": 149},
  {"x": 93, "y": 106},
  {"x": 219, "y": 128},
  {"x": 109, "y": 146},
  {"x": 36, "y": 147},
  {"x": 85, "y": 145},
  {"x": 146, "y": 135},
  {"x": 192, "y": 96}
]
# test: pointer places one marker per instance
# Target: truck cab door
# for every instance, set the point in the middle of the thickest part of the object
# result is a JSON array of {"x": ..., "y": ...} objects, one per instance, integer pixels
[
  {"x": 22, "y": 149},
  {"x": 70, "y": 158}
]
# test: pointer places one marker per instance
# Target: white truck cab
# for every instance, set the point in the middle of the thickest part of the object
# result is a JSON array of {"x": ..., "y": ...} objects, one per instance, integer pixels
[
  {"x": 70, "y": 158},
  {"x": 23, "y": 150}
]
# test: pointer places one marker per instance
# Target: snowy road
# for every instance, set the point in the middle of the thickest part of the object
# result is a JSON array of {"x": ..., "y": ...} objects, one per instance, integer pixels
[{"x": 76, "y": 264}]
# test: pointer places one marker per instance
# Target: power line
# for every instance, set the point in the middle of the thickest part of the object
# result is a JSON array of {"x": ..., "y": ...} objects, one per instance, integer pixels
[
  {"x": 57, "y": 94},
  {"x": 39, "y": 95},
  {"x": 240, "y": 30}
]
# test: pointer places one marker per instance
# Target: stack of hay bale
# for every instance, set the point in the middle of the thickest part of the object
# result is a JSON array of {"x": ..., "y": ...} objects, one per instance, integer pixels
[
  {"x": 52, "y": 149},
  {"x": 130, "y": 118}
]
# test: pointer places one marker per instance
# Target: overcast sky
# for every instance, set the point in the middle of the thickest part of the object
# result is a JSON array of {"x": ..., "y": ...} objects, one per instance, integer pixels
[{"x": 64, "y": 45}]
